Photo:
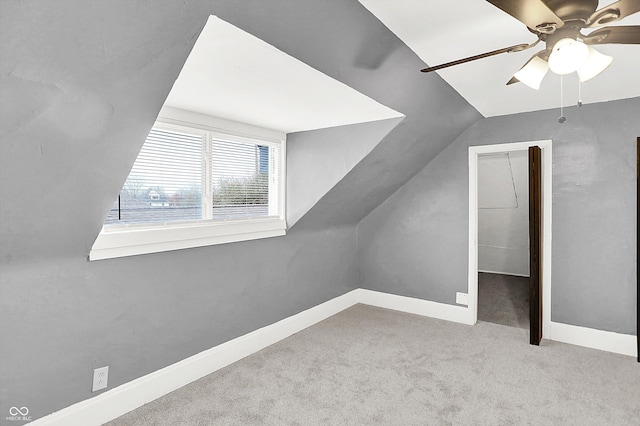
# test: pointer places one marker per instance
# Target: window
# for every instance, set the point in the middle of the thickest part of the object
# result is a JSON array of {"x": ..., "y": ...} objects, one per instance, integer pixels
[{"x": 194, "y": 186}]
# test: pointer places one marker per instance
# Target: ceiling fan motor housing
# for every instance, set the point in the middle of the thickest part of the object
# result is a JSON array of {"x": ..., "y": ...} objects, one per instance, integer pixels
[{"x": 568, "y": 30}]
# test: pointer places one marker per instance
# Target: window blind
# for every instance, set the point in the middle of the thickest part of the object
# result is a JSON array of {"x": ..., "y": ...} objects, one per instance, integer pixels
[
  {"x": 183, "y": 176},
  {"x": 165, "y": 182},
  {"x": 241, "y": 179}
]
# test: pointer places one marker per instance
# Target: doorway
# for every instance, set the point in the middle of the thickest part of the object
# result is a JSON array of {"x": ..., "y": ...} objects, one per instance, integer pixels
[
  {"x": 503, "y": 238},
  {"x": 475, "y": 153}
]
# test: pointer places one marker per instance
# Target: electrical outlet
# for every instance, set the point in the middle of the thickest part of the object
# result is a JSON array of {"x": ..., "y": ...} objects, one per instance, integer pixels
[
  {"x": 100, "y": 377},
  {"x": 462, "y": 298}
]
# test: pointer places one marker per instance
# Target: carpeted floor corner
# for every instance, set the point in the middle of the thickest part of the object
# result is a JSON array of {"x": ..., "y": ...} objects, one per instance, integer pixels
[{"x": 371, "y": 366}]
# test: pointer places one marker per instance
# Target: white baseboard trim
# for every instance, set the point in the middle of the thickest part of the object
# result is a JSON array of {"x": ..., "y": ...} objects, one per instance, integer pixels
[
  {"x": 129, "y": 396},
  {"x": 609, "y": 341},
  {"x": 411, "y": 305}
]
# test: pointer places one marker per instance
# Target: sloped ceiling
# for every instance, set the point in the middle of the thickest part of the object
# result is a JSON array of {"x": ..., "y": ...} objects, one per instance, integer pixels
[
  {"x": 443, "y": 31},
  {"x": 83, "y": 82},
  {"x": 496, "y": 183}
]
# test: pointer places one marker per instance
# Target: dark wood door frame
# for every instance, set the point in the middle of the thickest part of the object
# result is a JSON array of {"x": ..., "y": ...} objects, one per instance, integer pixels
[{"x": 535, "y": 237}]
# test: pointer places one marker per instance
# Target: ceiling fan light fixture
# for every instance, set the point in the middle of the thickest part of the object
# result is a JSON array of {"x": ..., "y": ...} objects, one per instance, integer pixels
[
  {"x": 567, "y": 56},
  {"x": 595, "y": 64},
  {"x": 533, "y": 72}
]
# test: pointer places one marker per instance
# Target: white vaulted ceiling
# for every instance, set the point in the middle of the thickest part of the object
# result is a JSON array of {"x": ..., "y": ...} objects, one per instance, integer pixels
[{"x": 440, "y": 31}]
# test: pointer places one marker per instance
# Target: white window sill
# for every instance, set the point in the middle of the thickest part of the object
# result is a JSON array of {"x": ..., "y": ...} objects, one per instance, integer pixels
[{"x": 124, "y": 241}]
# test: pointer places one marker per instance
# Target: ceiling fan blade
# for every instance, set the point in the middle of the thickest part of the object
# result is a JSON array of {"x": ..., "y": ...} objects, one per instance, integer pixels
[
  {"x": 533, "y": 13},
  {"x": 515, "y": 48},
  {"x": 614, "y": 35},
  {"x": 614, "y": 12}
]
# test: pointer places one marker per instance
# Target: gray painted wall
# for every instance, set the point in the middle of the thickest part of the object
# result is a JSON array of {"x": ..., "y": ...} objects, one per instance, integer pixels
[
  {"x": 416, "y": 242},
  {"x": 82, "y": 83},
  {"x": 61, "y": 318}
]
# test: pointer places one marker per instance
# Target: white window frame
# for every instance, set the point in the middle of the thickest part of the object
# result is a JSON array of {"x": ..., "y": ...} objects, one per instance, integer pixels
[{"x": 135, "y": 239}]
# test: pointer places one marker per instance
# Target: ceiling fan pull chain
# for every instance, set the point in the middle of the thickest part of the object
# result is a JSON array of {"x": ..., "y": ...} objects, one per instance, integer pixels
[
  {"x": 579, "y": 93},
  {"x": 562, "y": 118}
]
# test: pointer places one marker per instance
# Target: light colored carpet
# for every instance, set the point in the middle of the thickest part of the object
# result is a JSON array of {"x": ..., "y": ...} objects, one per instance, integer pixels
[
  {"x": 503, "y": 299},
  {"x": 372, "y": 366}
]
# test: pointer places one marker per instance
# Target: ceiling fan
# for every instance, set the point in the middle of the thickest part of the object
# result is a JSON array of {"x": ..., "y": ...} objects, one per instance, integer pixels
[{"x": 560, "y": 24}]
